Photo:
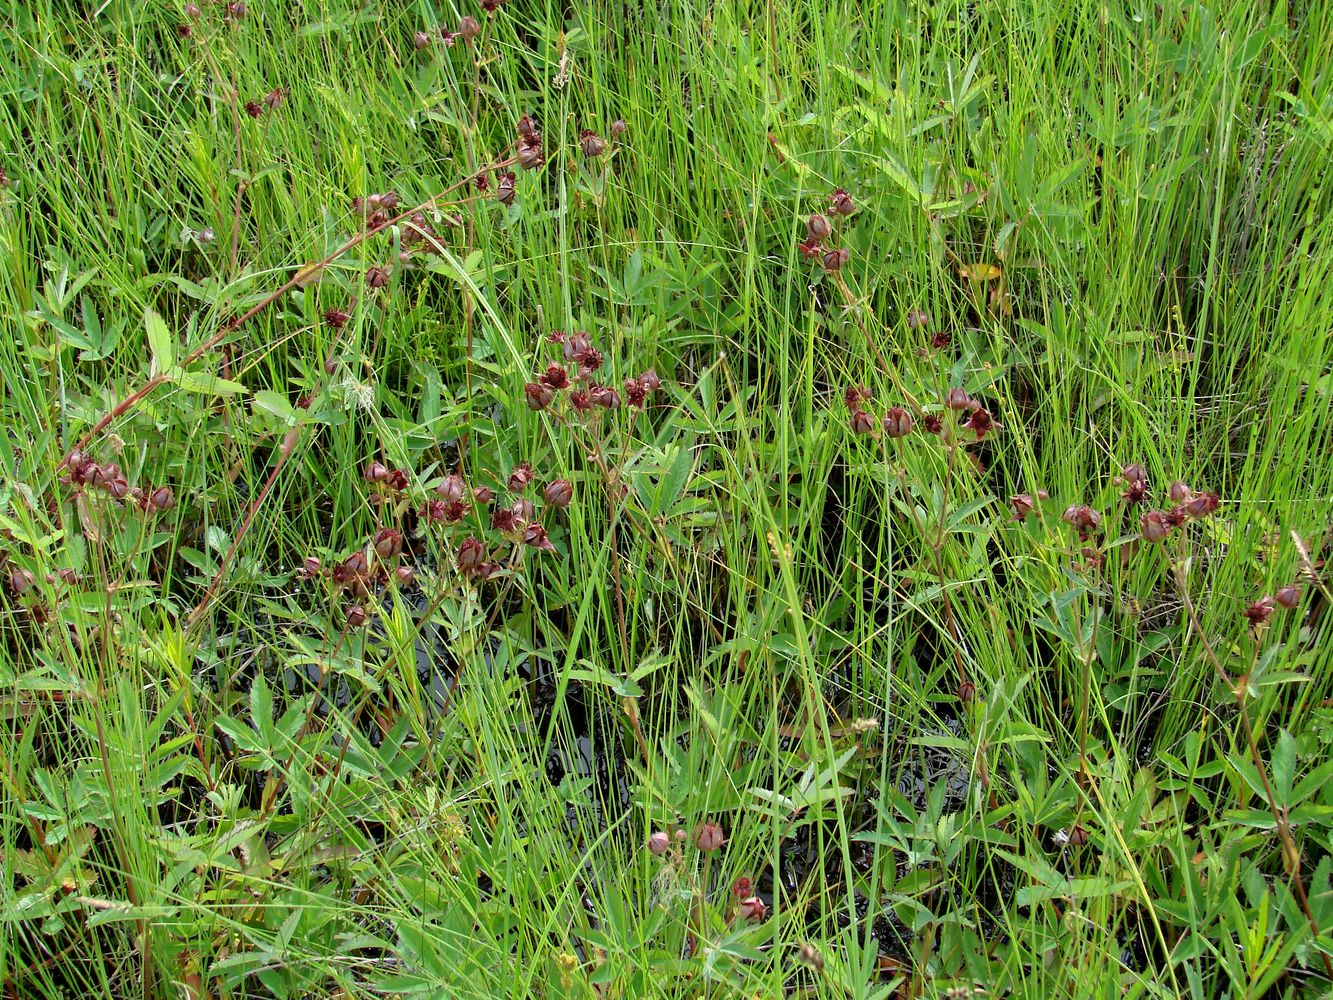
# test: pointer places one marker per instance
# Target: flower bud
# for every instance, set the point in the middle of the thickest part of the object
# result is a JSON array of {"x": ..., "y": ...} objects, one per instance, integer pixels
[
  {"x": 1154, "y": 527},
  {"x": 520, "y": 477},
  {"x": 840, "y": 203},
  {"x": 752, "y": 909},
  {"x": 504, "y": 188},
  {"x": 161, "y": 499},
  {"x": 833, "y": 260},
  {"x": 967, "y": 692},
  {"x": 863, "y": 422},
  {"x": 604, "y": 396},
  {"x": 1179, "y": 492},
  {"x": 658, "y": 843},
  {"x": 483, "y": 495},
  {"x": 708, "y": 837},
  {"x": 21, "y": 581},
  {"x": 897, "y": 422},
  {"x": 192, "y": 10},
  {"x": 650, "y": 381},
  {"x": 404, "y": 575},
  {"x": 523, "y": 510},
  {"x": 592, "y": 144},
  {"x": 530, "y": 154},
  {"x": 1201, "y": 504},
  {"x": 618, "y": 127},
  {"x": 958, "y": 399},
  {"x": 68, "y": 576},
  {"x": 388, "y": 543},
  {"x": 559, "y": 493},
  {"x": 538, "y": 395},
  {"x": 471, "y": 554},
  {"x": 356, "y": 616},
  {"x": 916, "y": 319},
  {"x": 1023, "y": 505},
  {"x": 1288, "y": 596},
  {"x": 469, "y": 27},
  {"x": 377, "y": 276},
  {"x": 377, "y": 472},
  {"x": 451, "y": 487},
  {"x": 535, "y": 535},
  {"x": 818, "y": 228},
  {"x": 421, "y": 40},
  {"x": 1082, "y": 517},
  {"x": 310, "y": 568}
]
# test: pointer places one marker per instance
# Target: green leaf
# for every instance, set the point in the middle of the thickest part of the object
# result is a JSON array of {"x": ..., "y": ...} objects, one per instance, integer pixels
[
  {"x": 161, "y": 343},
  {"x": 276, "y": 404},
  {"x": 209, "y": 385}
]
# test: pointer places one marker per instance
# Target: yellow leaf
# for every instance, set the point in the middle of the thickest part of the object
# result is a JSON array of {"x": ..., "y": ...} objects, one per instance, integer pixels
[{"x": 979, "y": 272}]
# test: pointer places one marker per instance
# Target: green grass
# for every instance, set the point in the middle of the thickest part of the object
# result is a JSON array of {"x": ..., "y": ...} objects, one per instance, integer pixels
[{"x": 898, "y": 703}]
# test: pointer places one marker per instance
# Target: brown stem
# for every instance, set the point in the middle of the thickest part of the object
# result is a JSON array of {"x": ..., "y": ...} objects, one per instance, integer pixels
[
  {"x": 1291, "y": 856},
  {"x": 303, "y": 275}
]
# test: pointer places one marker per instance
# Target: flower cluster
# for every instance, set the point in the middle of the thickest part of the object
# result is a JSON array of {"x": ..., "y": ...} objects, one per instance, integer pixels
[
  {"x": 82, "y": 472},
  {"x": 1156, "y": 525},
  {"x": 273, "y": 100},
  {"x": 584, "y": 393},
  {"x": 530, "y": 154},
  {"x": 818, "y": 230},
  {"x": 1259, "y": 613}
]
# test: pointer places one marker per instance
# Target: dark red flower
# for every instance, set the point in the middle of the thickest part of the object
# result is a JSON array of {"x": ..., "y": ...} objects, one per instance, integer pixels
[
  {"x": 555, "y": 376},
  {"x": 377, "y": 276},
  {"x": 810, "y": 251},
  {"x": 635, "y": 393},
  {"x": 520, "y": 477},
  {"x": 932, "y": 423},
  {"x": 254, "y": 109},
  {"x": 1260, "y": 611},
  {"x": 580, "y": 399},
  {"x": 855, "y": 395},
  {"x": 336, "y": 318},
  {"x": 980, "y": 423}
]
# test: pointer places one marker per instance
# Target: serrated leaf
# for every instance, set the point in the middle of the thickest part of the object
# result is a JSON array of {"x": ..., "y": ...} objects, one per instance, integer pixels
[{"x": 161, "y": 343}]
